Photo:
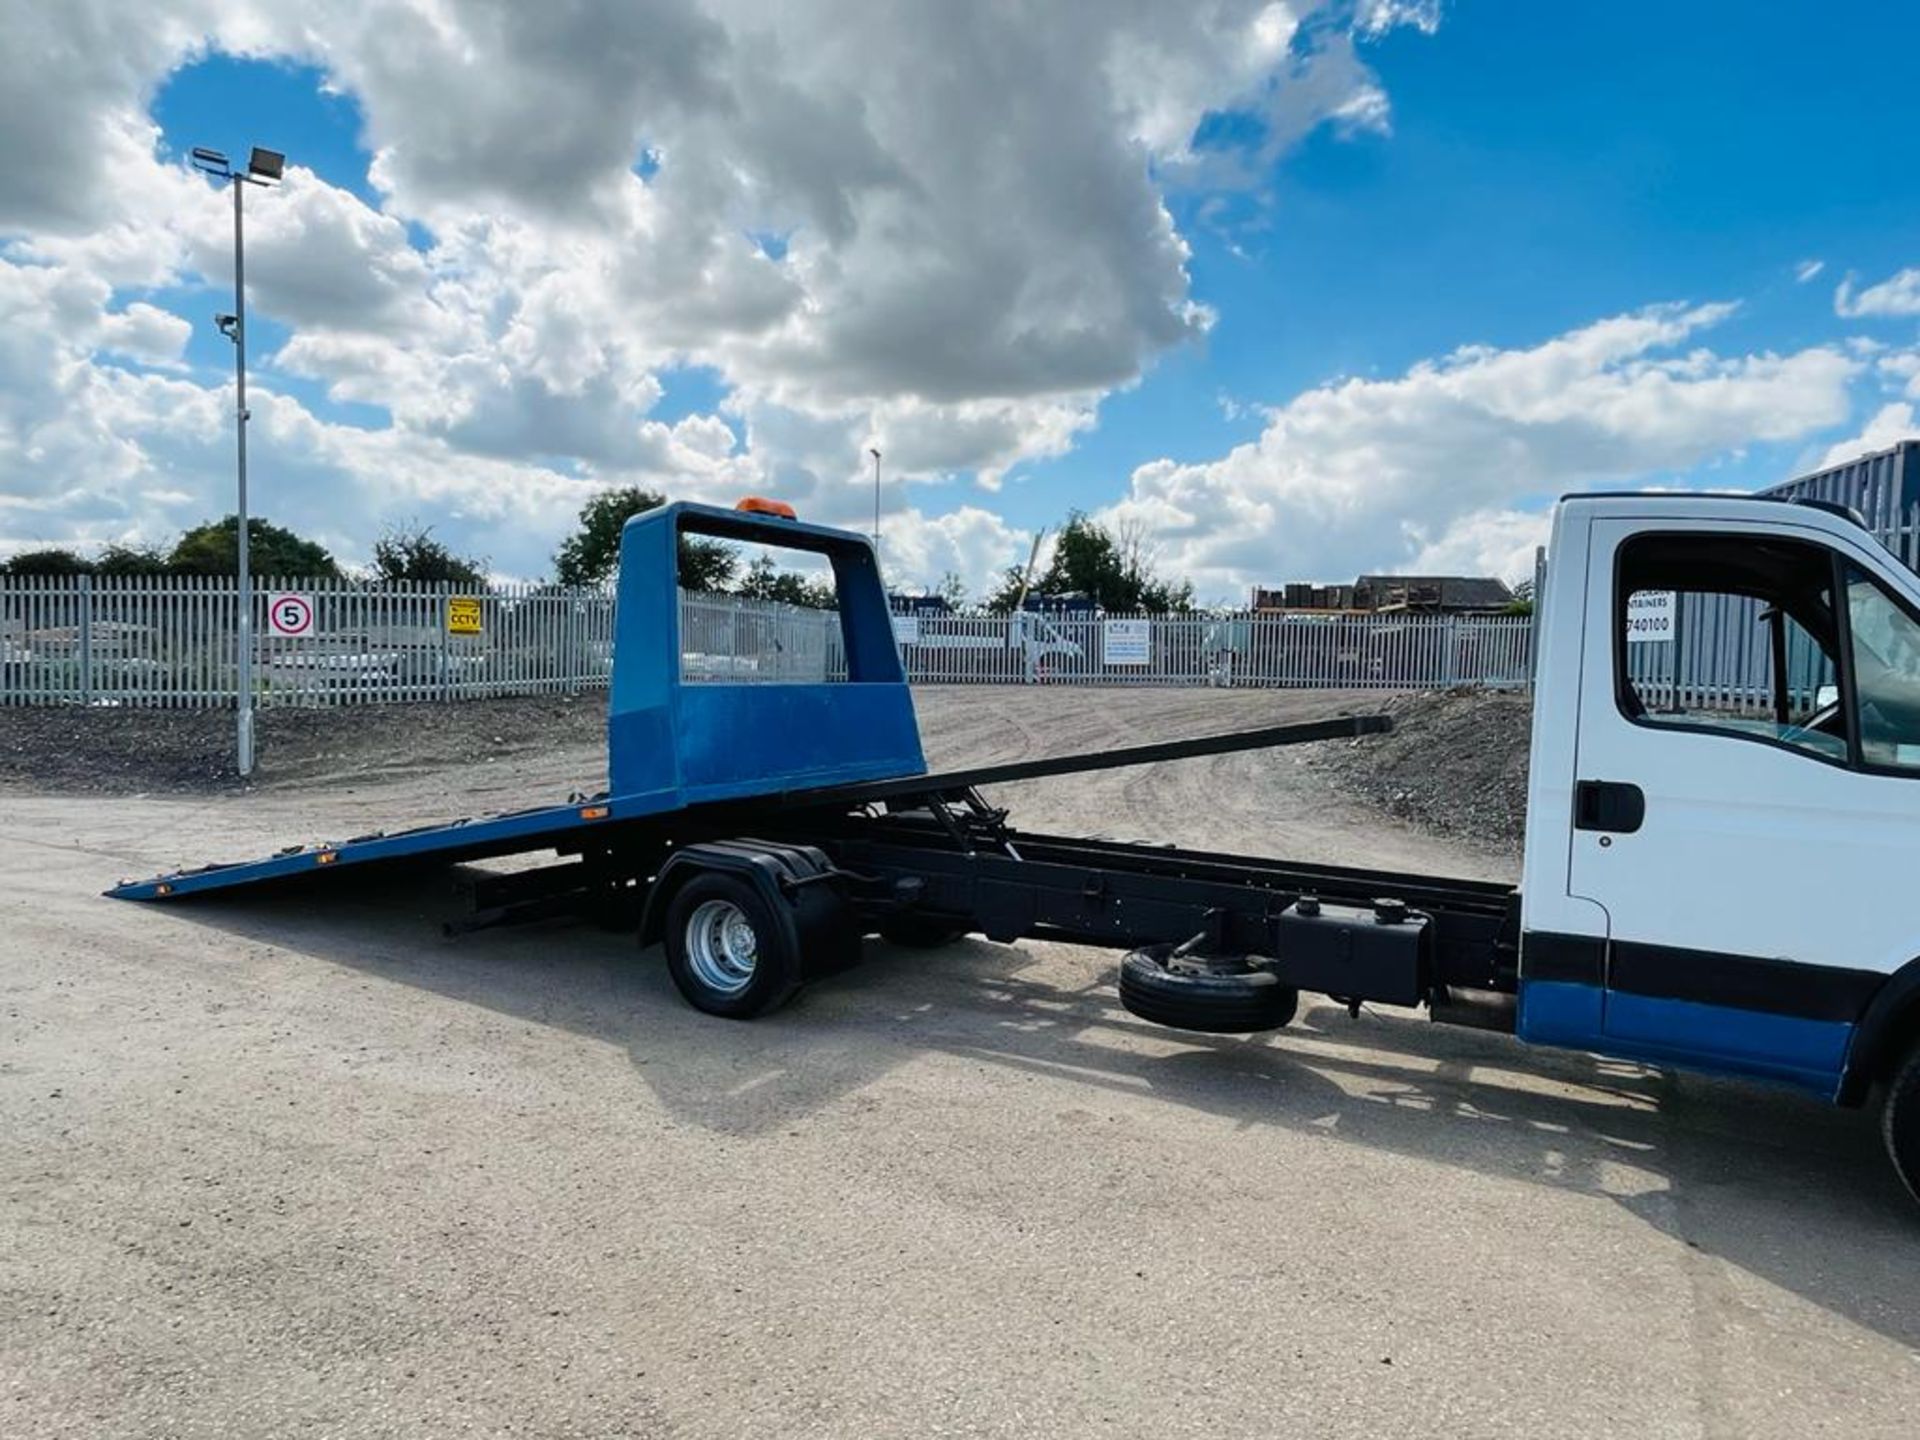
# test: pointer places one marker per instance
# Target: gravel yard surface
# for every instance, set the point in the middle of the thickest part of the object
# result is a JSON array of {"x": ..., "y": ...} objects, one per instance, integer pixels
[
  {"x": 121, "y": 751},
  {"x": 292, "y": 1166},
  {"x": 1456, "y": 763}
]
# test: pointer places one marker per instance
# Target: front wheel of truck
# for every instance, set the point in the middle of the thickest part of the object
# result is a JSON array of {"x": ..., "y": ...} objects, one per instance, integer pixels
[{"x": 1900, "y": 1120}]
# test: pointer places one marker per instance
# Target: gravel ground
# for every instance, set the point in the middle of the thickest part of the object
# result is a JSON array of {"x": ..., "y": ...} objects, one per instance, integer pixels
[
  {"x": 1455, "y": 763},
  {"x": 114, "y": 751},
  {"x": 300, "y": 1166}
]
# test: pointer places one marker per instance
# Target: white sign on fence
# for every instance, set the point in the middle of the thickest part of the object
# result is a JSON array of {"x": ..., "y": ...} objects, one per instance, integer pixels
[
  {"x": 1127, "y": 642},
  {"x": 906, "y": 629},
  {"x": 1649, "y": 616},
  {"x": 290, "y": 614}
]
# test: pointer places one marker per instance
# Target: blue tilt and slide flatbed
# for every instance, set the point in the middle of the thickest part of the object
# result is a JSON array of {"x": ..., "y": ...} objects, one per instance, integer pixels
[{"x": 762, "y": 829}]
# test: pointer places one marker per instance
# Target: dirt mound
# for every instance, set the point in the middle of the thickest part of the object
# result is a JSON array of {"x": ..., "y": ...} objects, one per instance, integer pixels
[
  {"x": 1456, "y": 762},
  {"x": 123, "y": 751}
]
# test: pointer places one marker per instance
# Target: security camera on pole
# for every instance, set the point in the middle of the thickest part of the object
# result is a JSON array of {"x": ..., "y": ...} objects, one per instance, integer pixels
[{"x": 263, "y": 168}]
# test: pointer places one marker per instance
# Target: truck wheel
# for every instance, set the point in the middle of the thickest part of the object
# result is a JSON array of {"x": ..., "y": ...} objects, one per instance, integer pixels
[
  {"x": 728, "y": 953},
  {"x": 912, "y": 931},
  {"x": 1900, "y": 1121},
  {"x": 1220, "y": 996}
]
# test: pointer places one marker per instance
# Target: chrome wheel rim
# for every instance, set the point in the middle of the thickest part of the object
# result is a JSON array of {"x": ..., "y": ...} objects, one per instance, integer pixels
[{"x": 721, "y": 946}]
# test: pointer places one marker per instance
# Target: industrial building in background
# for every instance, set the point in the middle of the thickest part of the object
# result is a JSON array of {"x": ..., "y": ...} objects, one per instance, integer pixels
[
  {"x": 1391, "y": 594},
  {"x": 1883, "y": 487}
]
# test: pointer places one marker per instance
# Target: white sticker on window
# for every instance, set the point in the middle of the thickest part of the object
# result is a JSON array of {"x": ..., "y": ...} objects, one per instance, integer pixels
[{"x": 1649, "y": 616}]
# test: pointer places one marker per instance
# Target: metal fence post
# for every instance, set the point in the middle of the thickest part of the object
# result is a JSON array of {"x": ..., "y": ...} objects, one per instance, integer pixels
[
  {"x": 438, "y": 597},
  {"x": 571, "y": 631},
  {"x": 86, "y": 640}
]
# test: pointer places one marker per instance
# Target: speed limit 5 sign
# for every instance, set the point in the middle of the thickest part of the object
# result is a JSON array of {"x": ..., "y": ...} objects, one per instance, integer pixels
[{"x": 290, "y": 614}]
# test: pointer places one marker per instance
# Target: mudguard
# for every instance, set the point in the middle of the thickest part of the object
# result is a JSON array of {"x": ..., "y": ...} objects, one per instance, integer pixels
[
  {"x": 798, "y": 882},
  {"x": 1890, "y": 1021}
]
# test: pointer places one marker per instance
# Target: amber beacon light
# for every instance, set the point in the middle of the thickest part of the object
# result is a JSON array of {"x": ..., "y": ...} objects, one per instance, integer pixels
[{"x": 761, "y": 505}]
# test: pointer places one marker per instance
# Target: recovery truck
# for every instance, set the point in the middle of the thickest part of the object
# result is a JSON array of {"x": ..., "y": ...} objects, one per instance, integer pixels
[{"x": 1709, "y": 880}]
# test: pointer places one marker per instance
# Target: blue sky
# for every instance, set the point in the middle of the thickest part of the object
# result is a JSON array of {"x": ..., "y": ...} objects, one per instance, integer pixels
[
  {"x": 1548, "y": 164},
  {"x": 1498, "y": 175}
]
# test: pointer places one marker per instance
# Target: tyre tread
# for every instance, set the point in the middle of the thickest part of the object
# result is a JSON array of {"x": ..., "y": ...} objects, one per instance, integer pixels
[
  {"x": 1900, "y": 1120},
  {"x": 1220, "y": 1003}
]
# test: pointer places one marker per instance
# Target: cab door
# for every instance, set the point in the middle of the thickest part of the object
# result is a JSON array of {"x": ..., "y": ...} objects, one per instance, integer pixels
[{"x": 1748, "y": 863}]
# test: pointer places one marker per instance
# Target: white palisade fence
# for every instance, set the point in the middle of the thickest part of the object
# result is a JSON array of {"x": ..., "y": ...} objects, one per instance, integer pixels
[
  {"x": 172, "y": 641},
  {"x": 1294, "y": 650}
]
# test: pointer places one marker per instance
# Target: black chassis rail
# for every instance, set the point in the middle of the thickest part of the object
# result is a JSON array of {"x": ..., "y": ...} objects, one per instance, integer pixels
[
  {"x": 933, "y": 845},
  {"x": 961, "y": 864},
  {"x": 1009, "y": 885}
]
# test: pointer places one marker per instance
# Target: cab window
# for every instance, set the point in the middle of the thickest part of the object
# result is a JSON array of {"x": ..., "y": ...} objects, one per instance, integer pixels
[
  {"x": 1885, "y": 647},
  {"x": 1732, "y": 634}
]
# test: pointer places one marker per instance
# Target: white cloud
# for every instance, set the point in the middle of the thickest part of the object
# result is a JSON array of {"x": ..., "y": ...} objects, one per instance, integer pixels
[
  {"x": 936, "y": 247},
  {"x": 1895, "y": 296},
  {"x": 1890, "y": 424},
  {"x": 1449, "y": 461},
  {"x": 1379, "y": 16},
  {"x": 975, "y": 544},
  {"x": 1487, "y": 542},
  {"x": 1900, "y": 369},
  {"x": 940, "y": 230},
  {"x": 320, "y": 257},
  {"x": 145, "y": 333},
  {"x": 95, "y": 452},
  {"x": 1808, "y": 270}
]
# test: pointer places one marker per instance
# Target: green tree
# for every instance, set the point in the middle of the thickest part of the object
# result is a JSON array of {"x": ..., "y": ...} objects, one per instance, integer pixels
[
  {"x": 213, "y": 549},
  {"x": 131, "y": 560},
  {"x": 952, "y": 589},
  {"x": 48, "y": 562},
  {"x": 1114, "y": 569},
  {"x": 413, "y": 554},
  {"x": 1005, "y": 595},
  {"x": 766, "y": 581},
  {"x": 591, "y": 555}
]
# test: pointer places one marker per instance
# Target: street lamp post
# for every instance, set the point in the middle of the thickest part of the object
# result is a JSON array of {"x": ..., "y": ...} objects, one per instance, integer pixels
[
  {"x": 263, "y": 168},
  {"x": 876, "y": 503}
]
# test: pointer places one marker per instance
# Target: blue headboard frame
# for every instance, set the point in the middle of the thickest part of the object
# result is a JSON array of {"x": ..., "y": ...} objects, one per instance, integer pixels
[{"x": 675, "y": 744}]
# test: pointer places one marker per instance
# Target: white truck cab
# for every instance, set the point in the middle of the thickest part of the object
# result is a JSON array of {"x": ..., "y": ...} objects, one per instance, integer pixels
[{"x": 1716, "y": 868}]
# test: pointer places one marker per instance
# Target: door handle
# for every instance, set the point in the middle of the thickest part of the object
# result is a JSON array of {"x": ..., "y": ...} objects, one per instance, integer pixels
[{"x": 1613, "y": 805}]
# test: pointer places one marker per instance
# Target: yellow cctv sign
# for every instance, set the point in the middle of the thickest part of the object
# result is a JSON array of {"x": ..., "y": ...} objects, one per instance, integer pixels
[{"x": 463, "y": 615}]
